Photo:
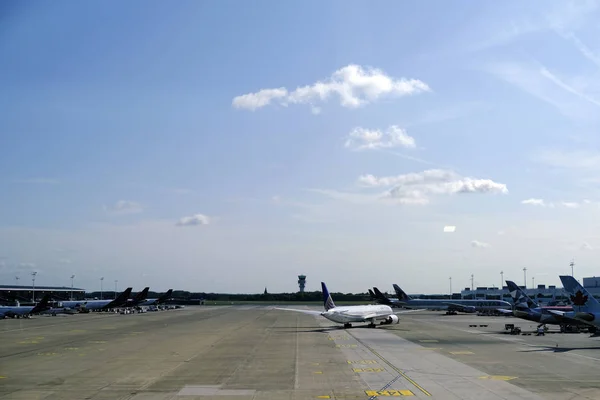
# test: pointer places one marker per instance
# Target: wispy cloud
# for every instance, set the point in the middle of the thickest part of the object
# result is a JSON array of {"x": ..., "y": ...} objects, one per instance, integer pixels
[
  {"x": 579, "y": 159},
  {"x": 417, "y": 187},
  {"x": 353, "y": 85},
  {"x": 538, "y": 81},
  {"x": 374, "y": 139},
  {"x": 124, "y": 207},
  {"x": 479, "y": 245},
  {"x": 194, "y": 220}
]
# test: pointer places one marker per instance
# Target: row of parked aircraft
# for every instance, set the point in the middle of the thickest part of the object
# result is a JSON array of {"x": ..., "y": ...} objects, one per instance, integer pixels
[
  {"x": 47, "y": 306},
  {"x": 584, "y": 311}
]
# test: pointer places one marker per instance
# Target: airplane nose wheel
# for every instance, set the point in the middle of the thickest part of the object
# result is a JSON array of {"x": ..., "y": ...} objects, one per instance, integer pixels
[{"x": 346, "y": 326}]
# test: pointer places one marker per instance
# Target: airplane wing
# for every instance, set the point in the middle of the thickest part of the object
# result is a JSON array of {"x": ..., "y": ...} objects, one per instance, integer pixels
[
  {"x": 311, "y": 312},
  {"x": 504, "y": 311},
  {"x": 409, "y": 311},
  {"x": 562, "y": 315}
]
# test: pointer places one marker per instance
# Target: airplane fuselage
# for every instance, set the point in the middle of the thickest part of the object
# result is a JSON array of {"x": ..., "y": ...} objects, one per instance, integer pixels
[
  {"x": 477, "y": 305},
  {"x": 348, "y": 314}
]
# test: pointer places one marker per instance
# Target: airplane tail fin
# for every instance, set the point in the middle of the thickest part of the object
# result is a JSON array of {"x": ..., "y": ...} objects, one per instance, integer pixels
[
  {"x": 42, "y": 305},
  {"x": 519, "y": 297},
  {"x": 579, "y": 297},
  {"x": 165, "y": 296},
  {"x": 372, "y": 295},
  {"x": 400, "y": 293},
  {"x": 141, "y": 296},
  {"x": 381, "y": 297},
  {"x": 327, "y": 300}
]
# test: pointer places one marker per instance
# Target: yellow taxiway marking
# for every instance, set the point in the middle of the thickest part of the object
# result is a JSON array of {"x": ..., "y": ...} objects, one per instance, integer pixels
[
  {"x": 399, "y": 371},
  {"x": 345, "y": 346},
  {"x": 429, "y": 341},
  {"x": 71, "y": 348},
  {"x": 396, "y": 393},
  {"x": 46, "y": 354},
  {"x": 317, "y": 372},
  {"x": 28, "y": 342},
  {"x": 461, "y": 352},
  {"x": 97, "y": 341},
  {"x": 498, "y": 377},
  {"x": 77, "y": 331},
  {"x": 324, "y": 397},
  {"x": 2, "y": 377},
  {"x": 368, "y": 369},
  {"x": 362, "y": 362}
]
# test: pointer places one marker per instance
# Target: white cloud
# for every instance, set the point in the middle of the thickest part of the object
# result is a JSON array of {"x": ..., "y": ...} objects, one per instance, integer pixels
[
  {"x": 449, "y": 228},
  {"x": 394, "y": 136},
  {"x": 124, "y": 207},
  {"x": 534, "y": 202},
  {"x": 197, "y": 219},
  {"x": 478, "y": 244},
  {"x": 26, "y": 265},
  {"x": 253, "y": 101},
  {"x": 542, "y": 203},
  {"x": 586, "y": 246},
  {"x": 354, "y": 86},
  {"x": 416, "y": 188}
]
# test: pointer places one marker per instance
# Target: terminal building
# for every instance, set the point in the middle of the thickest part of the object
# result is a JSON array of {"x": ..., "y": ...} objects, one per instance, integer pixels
[
  {"x": 12, "y": 294},
  {"x": 542, "y": 293}
]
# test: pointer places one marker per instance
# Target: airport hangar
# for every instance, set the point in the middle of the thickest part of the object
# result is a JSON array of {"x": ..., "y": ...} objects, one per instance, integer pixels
[{"x": 24, "y": 294}]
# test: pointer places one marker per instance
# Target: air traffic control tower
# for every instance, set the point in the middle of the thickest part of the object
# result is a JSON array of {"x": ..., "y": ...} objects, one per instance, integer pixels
[{"x": 301, "y": 282}]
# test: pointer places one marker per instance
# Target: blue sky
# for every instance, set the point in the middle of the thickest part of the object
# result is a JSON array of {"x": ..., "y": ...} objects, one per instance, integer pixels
[{"x": 229, "y": 146}]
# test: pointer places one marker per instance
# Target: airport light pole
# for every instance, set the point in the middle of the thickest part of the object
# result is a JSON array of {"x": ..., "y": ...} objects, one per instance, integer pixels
[
  {"x": 116, "y": 288},
  {"x": 525, "y": 276},
  {"x": 101, "y": 279},
  {"x": 450, "y": 286},
  {"x": 572, "y": 264},
  {"x": 72, "y": 277},
  {"x": 471, "y": 281},
  {"x": 501, "y": 279},
  {"x": 533, "y": 282},
  {"x": 33, "y": 274}
]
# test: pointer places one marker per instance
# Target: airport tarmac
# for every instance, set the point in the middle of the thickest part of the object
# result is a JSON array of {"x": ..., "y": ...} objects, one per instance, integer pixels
[{"x": 249, "y": 352}]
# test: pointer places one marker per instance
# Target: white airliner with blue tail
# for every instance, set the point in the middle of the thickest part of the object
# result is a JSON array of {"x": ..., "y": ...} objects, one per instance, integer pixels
[{"x": 349, "y": 314}]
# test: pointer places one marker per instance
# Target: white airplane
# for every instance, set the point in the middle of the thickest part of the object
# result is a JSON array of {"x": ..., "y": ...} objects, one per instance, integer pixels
[{"x": 349, "y": 314}]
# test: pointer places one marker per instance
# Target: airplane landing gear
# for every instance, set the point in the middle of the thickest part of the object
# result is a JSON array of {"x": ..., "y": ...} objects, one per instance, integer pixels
[{"x": 347, "y": 325}]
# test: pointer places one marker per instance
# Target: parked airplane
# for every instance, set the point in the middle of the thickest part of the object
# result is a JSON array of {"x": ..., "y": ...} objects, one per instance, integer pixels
[
  {"x": 530, "y": 310},
  {"x": 451, "y": 305},
  {"x": 25, "y": 311},
  {"x": 99, "y": 304},
  {"x": 159, "y": 300},
  {"x": 586, "y": 309},
  {"x": 349, "y": 314}
]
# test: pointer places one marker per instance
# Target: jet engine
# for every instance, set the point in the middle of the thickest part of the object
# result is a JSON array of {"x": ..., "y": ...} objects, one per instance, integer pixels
[
  {"x": 589, "y": 317},
  {"x": 469, "y": 309},
  {"x": 392, "y": 319}
]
